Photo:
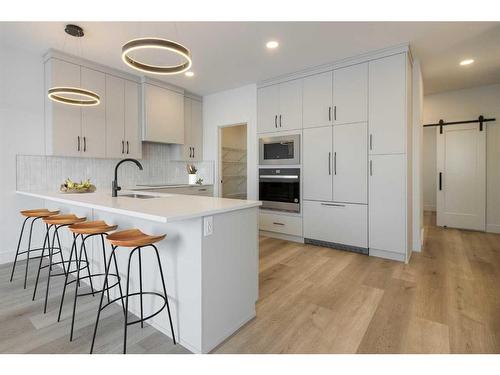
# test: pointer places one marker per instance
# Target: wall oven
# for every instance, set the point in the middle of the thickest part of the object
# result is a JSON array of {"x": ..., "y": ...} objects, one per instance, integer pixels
[
  {"x": 279, "y": 150},
  {"x": 279, "y": 189}
]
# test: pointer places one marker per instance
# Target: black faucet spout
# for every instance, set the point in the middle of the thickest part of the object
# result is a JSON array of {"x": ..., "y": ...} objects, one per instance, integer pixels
[{"x": 115, "y": 188}]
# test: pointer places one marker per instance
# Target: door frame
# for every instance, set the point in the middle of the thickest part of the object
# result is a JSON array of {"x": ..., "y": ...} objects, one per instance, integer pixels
[{"x": 219, "y": 155}]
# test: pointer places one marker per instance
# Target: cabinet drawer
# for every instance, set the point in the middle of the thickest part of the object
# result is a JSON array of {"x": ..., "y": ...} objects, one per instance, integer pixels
[
  {"x": 291, "y": 225},
  {"x": 340, "y": 223}
]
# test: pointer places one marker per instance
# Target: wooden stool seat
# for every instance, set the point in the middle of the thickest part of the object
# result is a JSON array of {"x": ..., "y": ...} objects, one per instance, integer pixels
[
  {"x": 63, "y": 219},
  {"x": 133, "y": 238},
  {"x": 39, "y": 212},
  {"x": 92, "y": 227}
]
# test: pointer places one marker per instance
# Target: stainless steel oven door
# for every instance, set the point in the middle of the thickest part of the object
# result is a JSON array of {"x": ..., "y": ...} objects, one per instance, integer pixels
[
  {"x": 279, "y": 189},
  {"x": 280, "y": 150}
]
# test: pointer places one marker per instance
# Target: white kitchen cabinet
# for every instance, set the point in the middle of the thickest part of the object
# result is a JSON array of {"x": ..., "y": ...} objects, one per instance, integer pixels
[
  {"x": 350, "y": 94},
  {"x": 387, "y": 201},
  {"x": 192, "y": 150},
  {"x": 63, "y": 123},
  {"x": 350, "y": 163},
  {"x": 338, "y": 223},
  {"x": 123, "y": 130},
  {"x": 132, "y": 120},
  {"x": 317, "y": 163},
  {"x": 163, "y": 115},
  {"x": 317, "y": 100},
  {"x": 279, "y": 107},
  {"x": 387, "y": 105},
  {"x": 202, "y": 190}
]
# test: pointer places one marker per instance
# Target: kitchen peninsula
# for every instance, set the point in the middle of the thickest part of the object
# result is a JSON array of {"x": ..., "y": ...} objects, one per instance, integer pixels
[{"x": 210, "y": 256}]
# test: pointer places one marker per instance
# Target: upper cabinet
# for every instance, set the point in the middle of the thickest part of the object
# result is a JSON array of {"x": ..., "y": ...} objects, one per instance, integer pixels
[
  {"x": 110, "y": 129},
  {"x": 280, "y": 107},
  {"x": 318, "y": 99},
  {"x": 350, "y": 94},
  {"x": 387, "y": 109},
  {"x": 193, "y": 130},
  {"x": 163, "y": 114}
]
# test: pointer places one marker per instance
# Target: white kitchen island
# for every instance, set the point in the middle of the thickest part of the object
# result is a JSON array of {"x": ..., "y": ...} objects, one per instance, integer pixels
[{"x": 211, "y": 270}]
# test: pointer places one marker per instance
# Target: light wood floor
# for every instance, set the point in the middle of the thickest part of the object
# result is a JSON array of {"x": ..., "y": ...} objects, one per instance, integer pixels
[
  {"x": 317, "y": 300},
  {"x": 313, "y": 300}
]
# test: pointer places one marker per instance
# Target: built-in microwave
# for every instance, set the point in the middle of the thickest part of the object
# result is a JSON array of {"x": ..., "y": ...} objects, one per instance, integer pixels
[
  {"x": 279, "y": 189},
  {"x": 281, "y": 150}
]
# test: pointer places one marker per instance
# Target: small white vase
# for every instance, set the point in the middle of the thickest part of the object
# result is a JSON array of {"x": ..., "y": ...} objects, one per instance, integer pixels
[{"x": 192, "y": 179}]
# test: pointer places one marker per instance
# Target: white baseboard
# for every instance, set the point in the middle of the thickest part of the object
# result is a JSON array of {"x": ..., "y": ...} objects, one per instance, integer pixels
[
  {"x": 387, "y": 255},
  {"x": 7, "y": 257},
  {"x": 493, "y": 228},
  {"x": 429, "y": 207}
]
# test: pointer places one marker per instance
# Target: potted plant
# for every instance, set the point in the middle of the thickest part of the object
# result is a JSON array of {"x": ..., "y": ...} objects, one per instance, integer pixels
[{"x": 191, "y": 169}]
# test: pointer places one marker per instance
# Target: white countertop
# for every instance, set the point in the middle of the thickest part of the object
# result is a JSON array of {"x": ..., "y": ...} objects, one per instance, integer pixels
[{"x": 163, "y": 208}]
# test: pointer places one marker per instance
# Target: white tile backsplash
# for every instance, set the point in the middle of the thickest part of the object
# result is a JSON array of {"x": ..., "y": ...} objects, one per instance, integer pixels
[{"x": 38, "y": 172}]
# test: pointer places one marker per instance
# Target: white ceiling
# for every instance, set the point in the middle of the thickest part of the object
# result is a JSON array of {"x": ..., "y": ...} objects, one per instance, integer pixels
[{"x": 231, "y": 54}]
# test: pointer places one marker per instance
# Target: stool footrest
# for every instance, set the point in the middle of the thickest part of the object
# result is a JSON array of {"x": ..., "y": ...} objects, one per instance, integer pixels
[{"x": 97, "y": 290}]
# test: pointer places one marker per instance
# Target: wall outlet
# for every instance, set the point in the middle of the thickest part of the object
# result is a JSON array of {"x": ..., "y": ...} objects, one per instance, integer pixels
[{"x": 208, "y": 225}]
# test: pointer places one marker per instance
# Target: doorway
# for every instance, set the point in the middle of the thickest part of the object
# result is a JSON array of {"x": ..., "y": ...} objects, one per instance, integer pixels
[
  {"x": 461, "y": 177},
  {"x": 233, "y": 161}
]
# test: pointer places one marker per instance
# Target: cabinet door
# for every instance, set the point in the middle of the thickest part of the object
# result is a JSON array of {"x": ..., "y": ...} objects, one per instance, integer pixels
[
  {"x": 197, "y": 129},
  {"x": 268, "y": 108},
  {"x": 164, "y": 115},
  {"x": 187, "y": 147},
  {"x": 350, "y": 163},
  {"x": 350, "y": 94},
  {"x": 94, "y": 118},
  {"x": 387, "y": 202},
  {"x": 115, "y": 117},
  {"x": 133, "y": 142},
  {"x": 387, "y": 105},
  {"x": 63, "y": 121},
  {"x": 317, "y": 163},
  {"x": 317, "y": 100},
  {"x": 290, "y": 114},
  {"x": 344, "y": 224}
]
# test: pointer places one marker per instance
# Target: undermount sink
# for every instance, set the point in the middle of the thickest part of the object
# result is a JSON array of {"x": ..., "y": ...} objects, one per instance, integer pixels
[{"x": 139, "y": 196}]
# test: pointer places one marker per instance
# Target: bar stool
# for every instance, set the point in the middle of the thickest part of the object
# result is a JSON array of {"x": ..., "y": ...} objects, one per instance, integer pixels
[
  {"x": 136, "y": 240},
  {"x": 86, "y": 230},
  {"x": 34, "y": 215},
  {"x": 56, "y": 222}
]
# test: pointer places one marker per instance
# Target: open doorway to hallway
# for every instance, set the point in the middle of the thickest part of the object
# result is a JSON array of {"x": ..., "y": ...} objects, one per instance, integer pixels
[{"x": 233, "y": 161}]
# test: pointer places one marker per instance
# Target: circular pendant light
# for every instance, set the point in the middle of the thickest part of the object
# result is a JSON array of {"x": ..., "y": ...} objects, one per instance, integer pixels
[
  {"x": 74, "y": 95},
  {"x": 156, "y": 43}
]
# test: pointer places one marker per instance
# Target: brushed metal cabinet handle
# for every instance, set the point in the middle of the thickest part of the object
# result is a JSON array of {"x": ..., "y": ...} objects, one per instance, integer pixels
[
  {"x": 329, "y": 113},
  {"x": 335, "y": 113},
  {"x": 78, "y": 147},
  {"x": 440, "y": 181},
  {"x": 276, "y": 223},
  {"x": 371, "y": 169},
  {"x": 123, "y": 147},
  {"x": 128, "y": 149},
  {"x": 371, "y": 142},
  {"x": 335, "y": 163},
  {"x": 193, "y": 152},
  {"x": 84, "y": 144},
  {"x": 330, "y": 163},
  {"x": 333, "y": 205},
  {"x": 275, "y": 121},
  {"x": 280, "y": 121}
]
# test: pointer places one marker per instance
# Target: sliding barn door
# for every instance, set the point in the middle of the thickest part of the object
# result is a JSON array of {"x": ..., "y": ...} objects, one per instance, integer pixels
[{"x": 461, "y": 177}]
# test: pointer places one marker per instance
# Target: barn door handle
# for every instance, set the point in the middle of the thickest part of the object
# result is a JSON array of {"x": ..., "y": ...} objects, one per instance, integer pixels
[{"x": 440, "y": 181}]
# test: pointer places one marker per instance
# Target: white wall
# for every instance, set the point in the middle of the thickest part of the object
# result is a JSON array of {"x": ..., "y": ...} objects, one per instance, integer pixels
[
  {"x": 235, "y": 106},
  {"x": 21, "y": 132},
  {"x": 465, "y": 105},
  {"x": 417, "y": 193}
]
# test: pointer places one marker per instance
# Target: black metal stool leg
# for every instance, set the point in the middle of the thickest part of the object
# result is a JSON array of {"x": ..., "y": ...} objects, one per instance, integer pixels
[
  {"x": 140, "y": 287},
  {"x": 119, "y": 282},
  {"x": 51, "y": 251},
  {"x": 46, "y": 240},
  {"x": 165, "y": 292},
  {"x": 88, "y": 265},
  {"x": 102, "y": 298},
  {"x": 82, "y": 246},
  {"x": 18, "y": 247},
  {"x": 28, "y": 251},
  {"x": 126, "y": 302},
  {"x": 105, "y": 262},
  {"x": 60, "y": 249},
  {"x": 73, "y": 249}
]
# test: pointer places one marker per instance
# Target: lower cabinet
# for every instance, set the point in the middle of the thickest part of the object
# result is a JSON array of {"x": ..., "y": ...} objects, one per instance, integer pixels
[
  {"x": 285, "y": 224},
  {"x": 202, "y": 190},
  {"x": 338, "y": 223}
]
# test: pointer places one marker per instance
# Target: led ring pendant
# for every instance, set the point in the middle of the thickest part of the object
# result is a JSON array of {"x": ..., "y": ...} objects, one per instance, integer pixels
[
  {"x": 73, "y": 96},
  {"x": 156, "y": 43}
]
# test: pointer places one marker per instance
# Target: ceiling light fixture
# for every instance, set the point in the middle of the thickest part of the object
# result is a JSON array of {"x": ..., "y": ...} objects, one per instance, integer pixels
[
  {"x": 272, "y": 44},
  {"x": 466, "y": 62},
  {"x": 189, "y": 74},
  {"x": 74, "y": 95},
  {"x": 156, "y": 43}
]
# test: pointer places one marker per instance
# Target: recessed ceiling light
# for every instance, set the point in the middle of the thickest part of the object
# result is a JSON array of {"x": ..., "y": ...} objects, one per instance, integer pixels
[
  {"x": 272, "y": 44},
  {"x": 189, "y": 74},
  {"x": 466, "y": 62}
]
